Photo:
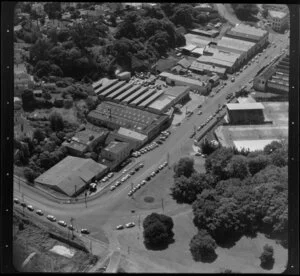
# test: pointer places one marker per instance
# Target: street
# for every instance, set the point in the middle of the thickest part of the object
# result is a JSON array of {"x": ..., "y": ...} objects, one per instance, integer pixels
[{"x": 103, "y": 213}]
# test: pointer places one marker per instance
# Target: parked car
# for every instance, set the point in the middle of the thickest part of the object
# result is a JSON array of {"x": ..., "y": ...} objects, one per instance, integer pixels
[
  {"x": 85, "y": 231},
  {"x": 23, "y": 204},
  {"x": 130, "y": 224},
  {"x": 71, "y": 227},
  {"x": 62, "y": 223},
  {"x": 40, "y": 212},
  {"x": 132, "y": 172},
  {"x": 111, "y": 174},
  {"x": 130, "y": 193},
  {"x": 51, "y": 218},
  {"x": 17, "y": 201},
  {"x": 192, "y": 135},
  {"x": 30, "y": 207},
  {"x": 120, "y": 227},
  {"x": 118, "y": 183},
  {"x": 112, "y": 187},
  {"x": 153, "y": 174},
  {"x": 199, "y": 113},
  {"x": 232, "y": 79}
]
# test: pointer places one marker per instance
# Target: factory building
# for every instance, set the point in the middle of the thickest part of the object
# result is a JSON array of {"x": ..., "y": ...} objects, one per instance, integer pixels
[
  {"x": 169, "y": 98},
  {"x": 202, "y": 68},
  {"x": 208, "y": 33},
  {"x": 72, "y": 175},
  {"x": 251, "y": 34},
  {"x": 114, "y": 116},
  {"x": 245, "y": 113},
  {"x": 274, "y": 78},
  {"x": 183, "y": 81},
  {"x": 230, "y": 61}
]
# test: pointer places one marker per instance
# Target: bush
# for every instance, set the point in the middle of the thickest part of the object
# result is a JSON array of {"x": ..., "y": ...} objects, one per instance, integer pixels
[
  {"x": 266, "y": 258},
  {"x": 185, "y": 167},
  {"x": 202, "y": 247},
  {"x": 39, "y": 135}
]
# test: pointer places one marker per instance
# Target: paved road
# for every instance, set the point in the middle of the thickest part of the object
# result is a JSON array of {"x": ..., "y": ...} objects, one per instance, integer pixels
[{"x": 115, "y": 207}]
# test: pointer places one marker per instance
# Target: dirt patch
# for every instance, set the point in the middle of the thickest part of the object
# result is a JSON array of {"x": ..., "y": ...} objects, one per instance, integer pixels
[
  {"x": 148, "y": 199},
  {"x": 35, "y": 238}
]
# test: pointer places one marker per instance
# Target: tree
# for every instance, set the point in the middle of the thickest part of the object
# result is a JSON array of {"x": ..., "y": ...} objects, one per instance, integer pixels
[
  {"x": 257, "y": 163},
  {"x": 268, "y": 149},
  {"x": 217, "y": 162},
  {"x": 245, "y": 11},
  {"x": 207, "y": 147},
  {"x": 237, "y": 167},
  {"x": 202, "y": 246},
  {"x": 53, "y": 9},
  {"x": 183, "y": 15},
  {"x": 157, "y": 229},
  {"x": 185, "y": 167},
  {"x": 56, "y": 121},
  {"x": 28, "y": 99},
  {"x": 266, "y": 258},
  {"x": 38, "y": 134},
  {"x": 29, "y": 175},
  {"x": 185, "y": 190}
]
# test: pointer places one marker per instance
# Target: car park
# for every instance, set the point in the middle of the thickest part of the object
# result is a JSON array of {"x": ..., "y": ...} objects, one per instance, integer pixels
[
  {"x": 30, "y": 207},
  {"x": 120, "y": 227},
  {"x": 51, "y": 218},
  {"x": 17, "y": 201},
  {"x": 130, "y": 224},
  {"x": 85, "y": 231},
  {"x": 62, "y": 223},
  {"x": 40, "y": 212}
]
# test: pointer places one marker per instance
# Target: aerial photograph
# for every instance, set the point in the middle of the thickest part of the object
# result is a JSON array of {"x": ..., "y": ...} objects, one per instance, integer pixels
[{"x": 150, "y": 137}]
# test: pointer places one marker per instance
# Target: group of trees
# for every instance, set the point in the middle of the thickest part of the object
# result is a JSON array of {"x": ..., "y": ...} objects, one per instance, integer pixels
[
  {"x": 240, "y": 194},
  {"x": 245, "y": 12},
  {"x": 44, "y": 149},
  {"x": 158, "y": 230}
]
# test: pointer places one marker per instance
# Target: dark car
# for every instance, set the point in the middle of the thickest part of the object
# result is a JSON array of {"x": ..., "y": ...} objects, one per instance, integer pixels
[{"x": 85, "y": 231}]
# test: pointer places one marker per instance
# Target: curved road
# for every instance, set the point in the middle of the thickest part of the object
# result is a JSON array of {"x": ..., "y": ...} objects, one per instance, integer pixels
[{"x": 104, "y": 213}]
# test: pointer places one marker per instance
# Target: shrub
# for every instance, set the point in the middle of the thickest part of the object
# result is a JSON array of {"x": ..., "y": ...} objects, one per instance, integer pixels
[
  {"x": 29, "y": 174},
  {"x": 266, "y": 257}
]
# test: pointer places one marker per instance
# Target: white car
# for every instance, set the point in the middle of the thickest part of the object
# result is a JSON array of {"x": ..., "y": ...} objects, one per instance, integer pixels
[
  {"x": 139, "y": 186},
  {"x": 118, "y": 183},
  {"x": 123, "y": 179},
  {"x": 120, "y": 227},
  {"x": 124, "y": 171},
  {"x": 112, "y": 187},
  {"x": 130, "y": 224},
  {"x": 51, "y": 218},
  {"x": 62, "y": 223},
  {"x": 30, "y": 207},
  {"x": 111, "y": 174},
  {"x": 153, "y": 174},
  {"x": 17, "y": 201}
]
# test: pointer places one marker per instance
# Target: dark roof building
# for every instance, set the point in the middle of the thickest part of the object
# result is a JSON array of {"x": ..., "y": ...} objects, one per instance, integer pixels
[{"x": 113, "y": 115}]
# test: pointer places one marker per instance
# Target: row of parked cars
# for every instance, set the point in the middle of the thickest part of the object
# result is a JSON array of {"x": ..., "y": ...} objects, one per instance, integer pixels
[
  {"x": 49, "y": 217},
  {"x": 127, "y": 225},
  {"x": 145, "y": 149},
  {"x": 148, "y": 178},
  {"x": 127, "y": 176}
]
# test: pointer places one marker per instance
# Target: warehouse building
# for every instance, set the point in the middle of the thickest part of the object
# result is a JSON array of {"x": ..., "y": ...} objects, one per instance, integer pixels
[
  {"x": 230, "y": 61},
  {"x": 127, "y": 93},
  {"x": 114, "y": 116},
  {"x": 71, "y": 176},
  {"x": 207, "y": 33},
  {"x": 244, "y": 48},
  {"x": 111, "y": 89},
  {"x": 173, "y": 80},
  {"x": 168, "y": 98},
  {"x": 274, "y": 78},
  {"x": 251, "y": 34},
  {"x": 245, "y": 113},
  {"x": 85, "y": 141},
  {"x": 202, "y": 68},
  {"x": 119, "y": 91}
]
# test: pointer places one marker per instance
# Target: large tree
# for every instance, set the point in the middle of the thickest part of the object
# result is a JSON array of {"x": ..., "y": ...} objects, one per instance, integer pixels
[{"x": 185, "y": 167}]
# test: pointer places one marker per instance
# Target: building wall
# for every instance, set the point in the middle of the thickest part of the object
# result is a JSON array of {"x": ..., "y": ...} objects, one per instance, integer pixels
[
  {"x": 278, "y": 24},
  {"x": 200, "y": 88},
  {"x": 245, "y": 116},
  {"x": 277, "y": 88},
  {"x": 116, "y": 157}
]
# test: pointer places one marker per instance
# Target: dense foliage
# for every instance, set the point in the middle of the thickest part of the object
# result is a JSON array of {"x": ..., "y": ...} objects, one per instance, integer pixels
[
  {"x": 157, "y": 230},
  {"x": 184, "y": 167},
  {"x": 245, "y": 11},
  {"x": 202, "y": 246}
]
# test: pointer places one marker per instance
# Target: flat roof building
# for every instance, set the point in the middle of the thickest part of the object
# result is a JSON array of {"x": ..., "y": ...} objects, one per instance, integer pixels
[
  {"x": 146, "y": 102},
  {"x": 71, "y": 175},
  {"x": 203, "y": 68},
  {"x": 236, "y": 45}
]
